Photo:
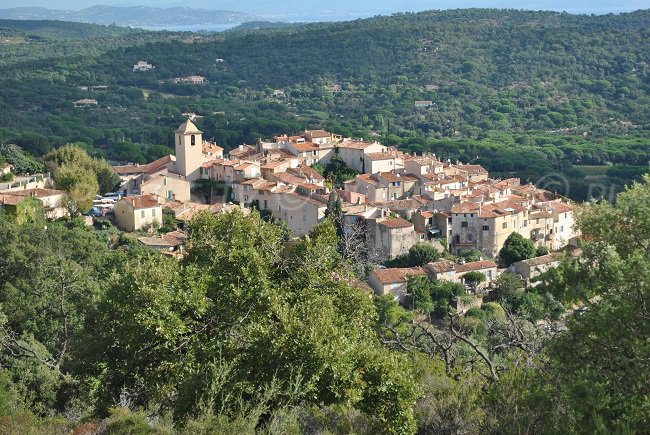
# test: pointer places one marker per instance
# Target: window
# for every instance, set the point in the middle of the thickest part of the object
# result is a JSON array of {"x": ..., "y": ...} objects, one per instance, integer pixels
[
  {"x": 525, "y": 223},
  {"x": 562, "y": 229},
  {"x": 153, "y": 212},
  {"x": 486, "y": 228},
  {"x": 170, "y": 194},
  {"x": 245, "y": 197},
  {"x": 266, "y": 204},
  {"x": 457, "y": 238},
  {"x": 192, "y": 140},
  {"x": 304, "y": 218},
  {"x": 165, "y": 180},
  {"x": 469, "y": 237},
  {"x": 504, "y": 225},
  {"x": 537, "y": 221},
  {"x": 142, "y": 214},
  {"x": 464, "y": 224}
]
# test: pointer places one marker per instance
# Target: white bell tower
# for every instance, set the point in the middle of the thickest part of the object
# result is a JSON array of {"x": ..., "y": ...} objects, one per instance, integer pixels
[{"x": 189, "y": 150}]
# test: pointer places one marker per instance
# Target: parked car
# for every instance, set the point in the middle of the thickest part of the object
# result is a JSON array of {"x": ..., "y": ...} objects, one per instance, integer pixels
[{"x": 94, "y": 212}]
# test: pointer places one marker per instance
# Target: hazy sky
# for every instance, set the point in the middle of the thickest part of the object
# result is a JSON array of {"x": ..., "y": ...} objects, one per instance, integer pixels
[{"x": 344, "y": 7}]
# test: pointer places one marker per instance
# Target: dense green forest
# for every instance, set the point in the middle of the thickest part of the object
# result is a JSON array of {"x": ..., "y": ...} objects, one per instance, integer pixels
[
  {"x": 524, "y": 93},
  {"x": 251, "y": 334}
]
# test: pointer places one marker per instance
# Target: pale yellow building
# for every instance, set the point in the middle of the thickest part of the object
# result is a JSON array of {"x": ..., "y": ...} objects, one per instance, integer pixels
[
  {"x": 133, "y": 213},
  {"x": 169, "y": 186}
]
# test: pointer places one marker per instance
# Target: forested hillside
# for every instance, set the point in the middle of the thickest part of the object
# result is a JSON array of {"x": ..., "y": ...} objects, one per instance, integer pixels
[
  {"x": 506, "y": 87},
  {"x": 250, "y": 334}
]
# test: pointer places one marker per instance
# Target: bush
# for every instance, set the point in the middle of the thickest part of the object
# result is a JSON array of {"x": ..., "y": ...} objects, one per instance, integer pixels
[
  {"x": 476, "y": 312},
  {"x": 421, "y": 254},
  {"x": 494, "y": 311},
  {"x": 516, "y": 248}
]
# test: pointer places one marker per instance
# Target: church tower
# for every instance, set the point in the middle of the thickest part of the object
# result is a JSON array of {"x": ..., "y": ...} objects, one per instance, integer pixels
[{"x": 189, "y": 150}]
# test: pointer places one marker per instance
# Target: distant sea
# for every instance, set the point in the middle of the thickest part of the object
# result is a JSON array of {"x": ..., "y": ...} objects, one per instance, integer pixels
[
  {"x": 193, "y": 27},
  {"x": 306, "y": 18}
]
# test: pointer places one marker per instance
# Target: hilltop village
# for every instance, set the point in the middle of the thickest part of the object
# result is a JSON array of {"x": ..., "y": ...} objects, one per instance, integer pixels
[{"x": 395, "y": 201}]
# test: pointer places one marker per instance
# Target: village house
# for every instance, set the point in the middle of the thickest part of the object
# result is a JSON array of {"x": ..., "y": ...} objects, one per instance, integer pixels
[
  {"x": 383, "y": 186},
  {"x": 474, "y": 173},
  {"x": 168, "y": 186},
  {"x": 169, "y": 242},
  {"x": 446, "y": 270},
  {"x": 532, "y": 268},
  {"x": 354, "y": 152},
  {"x": 85, "y": 102},
  {"x": 5, "y": 169},
  {"x": 423, "y": 165},
  {"x": 423, "y": 103},
  {"x": 190, "y": 80},
  {"x": 52, "y": 201},
  {"x": 393, "y": 281},
  {"x": 133, "y": 213},
  {"x": 391, "y": 236},
  {"x": 300, "y": 212},
  {"x": 212, "y": 151},
  {"x": 487, "y": 226},
  {"x": 142, "y": 65}
]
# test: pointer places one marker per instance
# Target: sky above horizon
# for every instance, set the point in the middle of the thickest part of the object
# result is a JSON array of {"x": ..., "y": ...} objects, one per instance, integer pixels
[{"x": 345, "y": 7}]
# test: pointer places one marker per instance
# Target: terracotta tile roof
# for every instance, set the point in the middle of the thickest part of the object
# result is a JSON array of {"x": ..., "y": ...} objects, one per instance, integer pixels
[
  {"x": 288, "y": 178},
  {"x": 275, "y": 164},
  {"x": 539, "y": 214},
  {"x": 304, "y": 146},
  {"x": 317, "y": 133},
  {"x": 6, "y": 199},
  {"x": 471, "y": 169},
  {"x": 403, "y": 204},
  {"x": 149, "y": 168},
  {"x": 141, "y": 201},
  {"x": 209, "y": 147},
  {"x": 441, "y": 266},
  {"x": 485, "y": 211},
  {"x": 252, "y": 181},
  {"x": 544, "y": 259},
  {"x": 311, "y": 199},
  {"x": 212, "y": 163},
  {"x": 267, "y": 186},
  {"x": 37, "y": 193},
  {"x": 380, "y": 156},
  {"x": 392, "y": 177},
  {"x": 560, "y": 207},
  {"x": 244, "y": 152},
  {"x": 307, "y": 171},
  {"x": 397, "y": 222},
  {"x": 475, "y": 265},
  {"x": 427, "y": 214},
  {"x": 356, "y": 144},
  {"x": 155, "y": 241},
  {"x": 243, "y": 166},
  {"x": 366, "y": 178},
  {"x": 281, "y": 153},
  {"x": 395, "y": 275},
  {"x": 175, "y": 237}
]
